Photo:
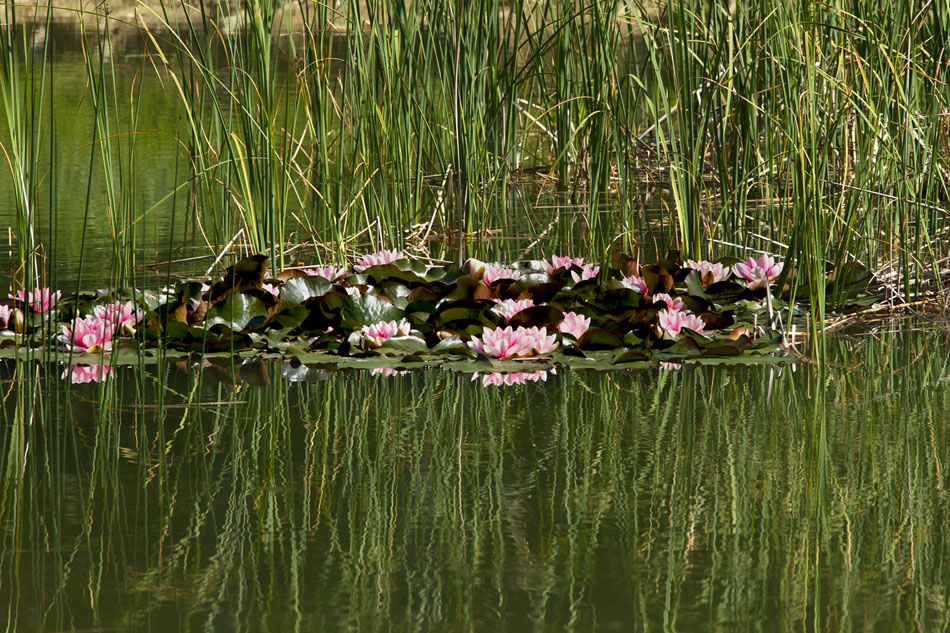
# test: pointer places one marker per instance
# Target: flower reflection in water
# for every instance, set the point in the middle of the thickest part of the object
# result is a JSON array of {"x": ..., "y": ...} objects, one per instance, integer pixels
[
  {"x": 79, "y": 374},
  {"x": 499, "y": 379},
  {"x": 389, "y": 372}
]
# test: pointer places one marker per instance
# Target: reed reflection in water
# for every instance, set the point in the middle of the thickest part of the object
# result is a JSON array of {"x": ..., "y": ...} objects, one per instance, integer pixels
[{"x": 256, "y": 497}]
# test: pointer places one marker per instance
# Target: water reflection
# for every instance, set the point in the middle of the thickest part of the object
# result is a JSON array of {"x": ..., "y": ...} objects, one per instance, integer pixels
[
  {"x": 502, "y": 379},
  {"x": 79, "y": 374},
  {"x": 221, "y": 495}
]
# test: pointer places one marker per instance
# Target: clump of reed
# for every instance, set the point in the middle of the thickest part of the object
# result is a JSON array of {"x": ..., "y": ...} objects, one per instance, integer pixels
[{"x": 812, "y": 129}]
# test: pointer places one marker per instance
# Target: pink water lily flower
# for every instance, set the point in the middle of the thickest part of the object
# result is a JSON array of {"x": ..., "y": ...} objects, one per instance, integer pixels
[
  {"x": 376, "y": 333},
  {"x": 635, "y": 283},
  {"x": 758, "y": 273},
  {"x": 510, "y": 307},
  {"x": 6, "y": 313},
  {"x": 709, "y": 272},
  {"x": 671, "y": 302},
  {"x": 122, "y": 317},
  {"x": 80, "y": 374},
  {"x": 329, "y": 272},
  {"x": 556, "y": 262},
  {"x": 574, "y": 324},
  {"x": 672, "y": 322},
  {"x": 378, "y": 258},
  {"x": 588, "y": 271},
  {"x": 513, "y": 343},
  {"x": 500, "y": 379},
  {"x": 493, "y": 273},
  {"x": 90, "y": 334},
  {"x": 670, "y": 366},
  {"x": 40, "y": 299}
]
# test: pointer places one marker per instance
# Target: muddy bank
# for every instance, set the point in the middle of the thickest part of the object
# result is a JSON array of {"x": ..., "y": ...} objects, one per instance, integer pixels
[
  {"x": 131, "y": 15},
  {"x": 129, "y": 28}
]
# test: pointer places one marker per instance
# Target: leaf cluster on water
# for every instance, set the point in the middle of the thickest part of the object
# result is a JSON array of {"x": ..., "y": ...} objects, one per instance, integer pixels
[{"x": 443, "y": 310}]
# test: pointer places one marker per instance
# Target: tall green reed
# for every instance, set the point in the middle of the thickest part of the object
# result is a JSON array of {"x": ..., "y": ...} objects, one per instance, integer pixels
[
  {"x": 23, "y": 70},
  {"x": 114, "y": 135},
  {"x": 811, "y": 130}
]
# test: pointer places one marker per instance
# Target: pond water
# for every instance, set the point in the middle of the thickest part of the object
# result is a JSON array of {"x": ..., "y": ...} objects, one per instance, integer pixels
[{"x": 261, "y": 497}]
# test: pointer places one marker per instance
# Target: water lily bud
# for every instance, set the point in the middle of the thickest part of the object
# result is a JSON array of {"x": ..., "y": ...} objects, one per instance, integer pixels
[
  {"x": 473, "y": 267},
  {"x": 19, "y": 321}
]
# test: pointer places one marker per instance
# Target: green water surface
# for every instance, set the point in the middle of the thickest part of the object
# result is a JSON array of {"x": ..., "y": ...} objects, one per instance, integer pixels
[{"x": 261, "y": 497}]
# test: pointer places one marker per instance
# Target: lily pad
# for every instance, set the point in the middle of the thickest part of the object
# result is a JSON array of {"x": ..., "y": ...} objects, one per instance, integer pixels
[
  {"x": 599, "y": 339},
  {"x": 366, "y": 309},
  {"x": 237, "y": 312},
  {"x": 296, "y": 291}
]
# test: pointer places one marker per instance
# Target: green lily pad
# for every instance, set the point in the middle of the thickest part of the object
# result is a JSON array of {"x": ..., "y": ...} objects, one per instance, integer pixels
[
  {"x": 630, "y": 356},
  {"x": 296, "y": 291},
  {"x": 452, "y": 345},
  {"x": 366, "y": 309},
  {"x": 403, "y": 345},
  {"x": 237, "y": 312},
  {"x": 686, "y": 347},
  {"x": 399, "y": 270},
  {"x": 599, "y": 339},
  {"x": 632, "y": 339},
  {"x": 470, "y": 310},
  {"x": 538, "y": 316}
]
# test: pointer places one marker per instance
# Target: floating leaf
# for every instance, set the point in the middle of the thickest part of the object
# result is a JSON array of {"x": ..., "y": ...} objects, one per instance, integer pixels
[
  {"x": 366, "y": 309},
  {"x": 694, "y": 284},
  {"x": 715, "y": 321},
  {"x": 465, "y": 288},
  {"x": 403, "y": 345},
  {"x": 726, "y": 347},
  {"x": 632, "y": 339},
  {"x": 630, "y": 356},
  {"x": 686, "y": 347},
  {"x": 399, "y": 270},
  {"x": 570, "y": 351},
  {"x": 537, "y": 291},
  {"x": 237, "y": 312},
  {"x": 598, "y": 339},
  {"x": 396, "y": 292},
  {"x": 470, "y": 310},
  {"x": 537, "y": 316},
  {"x": 452, "y": 345},
  {"x": 296, "y": 291}
]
